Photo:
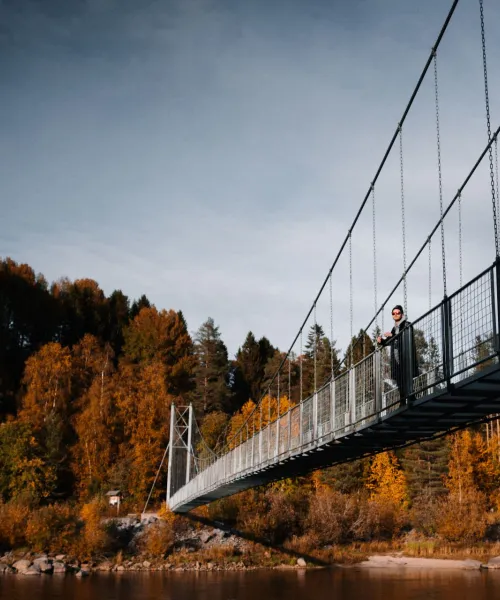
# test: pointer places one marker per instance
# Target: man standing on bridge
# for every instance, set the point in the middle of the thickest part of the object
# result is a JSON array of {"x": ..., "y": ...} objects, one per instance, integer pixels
[{"x": 404, "y": 366}]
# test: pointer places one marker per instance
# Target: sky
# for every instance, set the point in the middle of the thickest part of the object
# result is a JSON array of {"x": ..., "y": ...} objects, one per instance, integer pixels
[{"x": 212, "y": 154}]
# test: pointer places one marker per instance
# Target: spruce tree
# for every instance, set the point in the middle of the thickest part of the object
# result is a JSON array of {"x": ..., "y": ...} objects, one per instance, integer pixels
[{"x": 211, "y": 371}]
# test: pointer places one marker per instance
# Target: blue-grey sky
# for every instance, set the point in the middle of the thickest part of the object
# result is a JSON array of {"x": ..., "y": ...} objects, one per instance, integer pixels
[{"x": 212, "y": 154}]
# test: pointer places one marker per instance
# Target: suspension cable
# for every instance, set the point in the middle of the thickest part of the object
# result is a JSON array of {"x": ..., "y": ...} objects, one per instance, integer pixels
[
  {"x": 430, "y": 273},
  {"x": 460, "y": 267},
  {"x": 351, "y": 308},
  {"x": 156, "y": 477},
  {"x": 301, "y": 357},
  {"x": 403, "y": 219},
  {"x": 315, "y": 351},
  {"x": 374, "y": 231},
  {"x": 440, "y": 177},
  {"x": 331, "y": 327},
  {"x": 496, "y": 179},
  {"x": 488, "y": 125}
]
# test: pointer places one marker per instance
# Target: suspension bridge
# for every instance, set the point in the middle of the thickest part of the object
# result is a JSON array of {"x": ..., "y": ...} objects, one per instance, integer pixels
[{"x": 447, "y": 360}]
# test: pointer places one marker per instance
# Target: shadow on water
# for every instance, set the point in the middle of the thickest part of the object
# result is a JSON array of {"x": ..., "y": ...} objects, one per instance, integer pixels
[{"x": 253, "y": 538}]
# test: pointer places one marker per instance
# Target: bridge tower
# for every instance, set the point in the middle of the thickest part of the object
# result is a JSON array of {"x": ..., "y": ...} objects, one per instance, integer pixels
[{"x": 180, "y": 455}]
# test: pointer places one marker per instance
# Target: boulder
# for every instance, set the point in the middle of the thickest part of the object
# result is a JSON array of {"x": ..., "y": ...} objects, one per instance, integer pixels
[
  {"x": 6, "y": 568},
  {"x": 33, "y": 570},
  {"x": 493, "y": 563},
  {"x": 22, "y": 565},
  {"x": 472, "y": 564},
  {"x": 82, "y": 573},
  {"x": 146, "y": 564},
  {"x": 206, "y": 536},
  {"x": 301, "y": 562},
  {"x": 43, "y": 565},
  {"x": 59, "y": 567}
]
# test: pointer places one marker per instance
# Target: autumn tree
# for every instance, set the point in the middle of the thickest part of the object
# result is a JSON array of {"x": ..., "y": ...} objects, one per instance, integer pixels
[
  {"x": 24, "y": 473},
  {"x": 96, "y": 421},
  {"x": 162, "y": 336},
  {"x": 386, "y": 480},
  {"x": 47, "y": 406}
]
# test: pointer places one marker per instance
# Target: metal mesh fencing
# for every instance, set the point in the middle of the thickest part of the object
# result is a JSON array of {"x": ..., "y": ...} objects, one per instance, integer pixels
[
  {"x": 295, "y": 427},
  {"x": 364, "y": 388},
  {"x": 307, "y": 421},
  {"x": 324, "y": 425},
  {"x": 473, "y": 326},
  {"x": 342, "y": 417},
  {"x": 284, "y": 432},
  {"x": 428, "y": 335}
]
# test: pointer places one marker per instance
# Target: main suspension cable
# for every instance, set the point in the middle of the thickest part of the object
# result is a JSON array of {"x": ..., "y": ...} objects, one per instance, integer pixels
[
  {"x": 488, "y": 126},
  {"x": 403, "y": 219},
  {"x": 440, "y": 178}
]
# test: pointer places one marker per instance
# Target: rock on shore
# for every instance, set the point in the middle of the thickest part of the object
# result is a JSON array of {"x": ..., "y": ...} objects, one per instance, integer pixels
[{"x": 399, "y": 561}]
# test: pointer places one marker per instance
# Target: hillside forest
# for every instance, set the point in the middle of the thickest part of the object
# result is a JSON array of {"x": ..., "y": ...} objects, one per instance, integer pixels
[{"x": 86, "y": 385}]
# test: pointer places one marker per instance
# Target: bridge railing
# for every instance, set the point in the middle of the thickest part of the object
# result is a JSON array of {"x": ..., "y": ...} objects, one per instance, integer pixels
[{"x": 450, "y": 342}]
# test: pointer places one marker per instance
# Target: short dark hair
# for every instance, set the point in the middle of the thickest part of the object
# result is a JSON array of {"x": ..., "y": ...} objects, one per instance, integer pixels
[{"x": 398, "y": 307}]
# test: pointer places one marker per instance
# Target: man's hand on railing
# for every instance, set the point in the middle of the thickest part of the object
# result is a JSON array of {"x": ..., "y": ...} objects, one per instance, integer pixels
[{"x": 382, "y": 338}]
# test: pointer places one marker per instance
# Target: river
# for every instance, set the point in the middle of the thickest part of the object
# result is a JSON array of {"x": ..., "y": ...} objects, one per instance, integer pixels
[{"x": 338, "y": 584}]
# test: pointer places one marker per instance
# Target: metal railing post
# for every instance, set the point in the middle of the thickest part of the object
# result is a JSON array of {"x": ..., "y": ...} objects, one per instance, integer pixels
[
  {"x": 447, "y": 339},
  {"x": 332, "y": 407},
  {"x": 278, "y": 436},
  {"x": 301, "y": 428},
  {"x": 289, "y": 430},
  {"x": 315, "y": 416},
  {"x": 377, "y": 380},
  {"x": 352, "y": 396},
  {"x": 495, "y": 303}
]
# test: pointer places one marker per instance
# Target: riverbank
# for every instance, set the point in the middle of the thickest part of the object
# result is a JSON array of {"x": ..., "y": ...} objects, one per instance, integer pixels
[
  {"x": 43, "y": 564},
  {"x": 197, "y": 547}
]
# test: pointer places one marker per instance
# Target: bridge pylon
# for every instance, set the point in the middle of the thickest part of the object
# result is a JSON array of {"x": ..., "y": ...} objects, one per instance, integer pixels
[{"x": 180, "y": 448}]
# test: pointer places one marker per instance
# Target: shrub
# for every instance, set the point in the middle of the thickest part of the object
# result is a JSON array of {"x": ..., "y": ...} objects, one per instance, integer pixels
[
  {"x": 331, "y": 516},
  {"x": 13, "y": 517},
  {"x": 378, "y": 520},
  {"x": 424, "y": 514},
  {"x": 52, "y": 528},
  {"x": 157, "y": 539},
  {"x": 462, "y": 518}
]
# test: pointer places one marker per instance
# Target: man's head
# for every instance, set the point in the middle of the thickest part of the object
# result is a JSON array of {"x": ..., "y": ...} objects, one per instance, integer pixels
[{"x": 397, "y": 313}]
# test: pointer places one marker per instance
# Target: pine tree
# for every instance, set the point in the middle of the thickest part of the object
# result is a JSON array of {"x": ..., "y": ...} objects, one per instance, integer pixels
[
  {"x": 211, "y": 371},
  {"x": 319, "y": 359},
  {"x": 249, "y": 368}
]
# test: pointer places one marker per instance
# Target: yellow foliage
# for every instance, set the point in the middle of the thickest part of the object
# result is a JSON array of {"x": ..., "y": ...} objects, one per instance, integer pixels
[
  {"x": 94, "y": 535},
  {"x": 386, "y": 480},
  {"x": 251, "y": 418}
]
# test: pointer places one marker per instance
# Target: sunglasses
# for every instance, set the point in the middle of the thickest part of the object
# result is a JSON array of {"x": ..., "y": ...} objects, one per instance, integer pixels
[{"x": 396, "y": 312}]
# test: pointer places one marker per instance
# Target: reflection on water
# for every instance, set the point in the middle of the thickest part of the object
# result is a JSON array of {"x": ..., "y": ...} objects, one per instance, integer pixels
[{"x": 338, "y": 584}]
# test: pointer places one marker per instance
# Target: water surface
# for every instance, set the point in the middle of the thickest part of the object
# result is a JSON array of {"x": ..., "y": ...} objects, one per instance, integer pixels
[{"x": 338, "y": 584}]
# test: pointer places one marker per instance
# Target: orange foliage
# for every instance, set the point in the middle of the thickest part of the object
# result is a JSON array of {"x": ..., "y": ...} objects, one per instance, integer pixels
[{"x": 386, "y": 480}]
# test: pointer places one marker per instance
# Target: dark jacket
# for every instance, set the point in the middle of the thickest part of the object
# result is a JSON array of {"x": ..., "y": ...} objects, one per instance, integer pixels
[{"x": 404, "y": 361}]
